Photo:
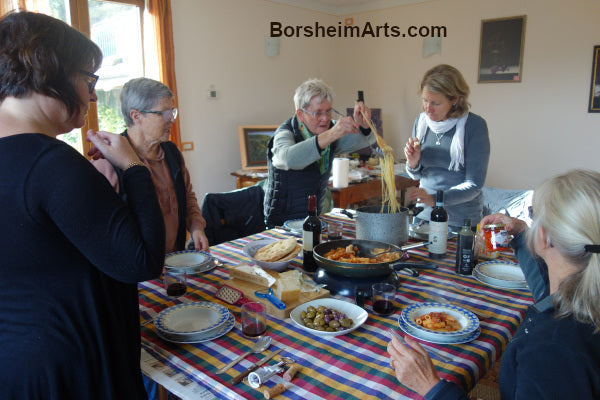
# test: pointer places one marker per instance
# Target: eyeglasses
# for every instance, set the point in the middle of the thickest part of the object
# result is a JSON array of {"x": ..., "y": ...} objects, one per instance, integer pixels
[
  {"x": 168, "y": 115},
  {"x": 92, "y": 79},
  {"x": 319, "y": 114}
]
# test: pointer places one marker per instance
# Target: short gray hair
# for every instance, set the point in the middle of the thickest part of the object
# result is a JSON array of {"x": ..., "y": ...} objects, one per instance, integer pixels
[
  {"x": 142, "y": 94},
  {"x": 309, "y": 89}
]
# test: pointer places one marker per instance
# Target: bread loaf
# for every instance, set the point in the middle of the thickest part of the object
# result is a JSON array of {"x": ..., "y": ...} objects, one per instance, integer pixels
[{"x": 276, "y": 250}]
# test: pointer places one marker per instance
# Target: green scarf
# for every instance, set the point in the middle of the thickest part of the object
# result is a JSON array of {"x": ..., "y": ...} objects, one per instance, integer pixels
[{"x": 324, "y": 160}]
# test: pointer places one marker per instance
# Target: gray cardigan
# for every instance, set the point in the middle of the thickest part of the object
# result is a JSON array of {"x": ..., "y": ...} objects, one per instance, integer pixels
[{"x": 462, "y": 188}]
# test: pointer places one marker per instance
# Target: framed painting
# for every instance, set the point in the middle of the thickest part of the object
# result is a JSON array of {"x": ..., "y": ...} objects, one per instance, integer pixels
[
  {"x": 501, "y": 50},
  {"x": 594, "y": 105},
  {"x": 253, "y": 145}
]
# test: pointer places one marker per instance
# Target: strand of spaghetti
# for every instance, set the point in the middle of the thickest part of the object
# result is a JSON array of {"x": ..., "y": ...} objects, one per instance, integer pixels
[{"x": 388, "y": 178}]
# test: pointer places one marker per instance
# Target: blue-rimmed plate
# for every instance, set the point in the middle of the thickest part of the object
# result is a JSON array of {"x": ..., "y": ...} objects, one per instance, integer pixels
[
  {"x": 500, "y": 274},
  {"x": 295, "y": 225},
  {"x": 468, "y": 321},
  {"x": 438, "y": 340},
  {"x": 194, "y": 262},
  {"x": 188, "y": 319},
  {"x": 212, "y": 335}
]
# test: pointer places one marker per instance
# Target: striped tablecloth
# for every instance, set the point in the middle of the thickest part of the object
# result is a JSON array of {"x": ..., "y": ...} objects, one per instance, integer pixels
[{"x": 354, "y": 366}]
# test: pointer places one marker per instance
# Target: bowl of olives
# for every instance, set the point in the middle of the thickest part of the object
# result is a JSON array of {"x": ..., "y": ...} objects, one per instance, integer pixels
[{"x": 328, "y": 317}]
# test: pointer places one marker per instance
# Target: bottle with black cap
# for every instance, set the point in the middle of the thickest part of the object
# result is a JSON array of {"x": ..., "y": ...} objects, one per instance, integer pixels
[
  {"x": 438, "y": 228},
  {"x": 465, "y": 245},
  {"x": 311, "y": 235}
]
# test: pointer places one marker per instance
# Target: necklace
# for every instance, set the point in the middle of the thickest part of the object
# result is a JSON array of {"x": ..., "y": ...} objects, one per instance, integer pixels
[{"x": 438, "y": 138}]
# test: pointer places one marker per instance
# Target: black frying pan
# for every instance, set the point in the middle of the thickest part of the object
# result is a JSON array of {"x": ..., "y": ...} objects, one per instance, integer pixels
[{"x": 365, "y": 249}]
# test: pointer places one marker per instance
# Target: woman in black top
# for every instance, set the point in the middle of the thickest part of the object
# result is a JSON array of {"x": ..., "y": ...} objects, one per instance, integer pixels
[{"x": 71, "y": 252}]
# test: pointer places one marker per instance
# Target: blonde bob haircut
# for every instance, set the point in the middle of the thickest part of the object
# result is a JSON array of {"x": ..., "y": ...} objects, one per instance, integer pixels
[
  {"x": 568, "y": 208},
  {"x": 448, "y": 81}
]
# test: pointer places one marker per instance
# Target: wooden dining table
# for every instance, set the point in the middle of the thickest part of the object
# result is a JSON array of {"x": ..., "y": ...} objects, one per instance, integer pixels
[{"x": 352, "y": 366}]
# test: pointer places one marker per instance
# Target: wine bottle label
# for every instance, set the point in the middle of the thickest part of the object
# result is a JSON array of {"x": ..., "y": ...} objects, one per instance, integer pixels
[
  {"x": 307, "y": 240},
  {"x": 438, "y": 236}
]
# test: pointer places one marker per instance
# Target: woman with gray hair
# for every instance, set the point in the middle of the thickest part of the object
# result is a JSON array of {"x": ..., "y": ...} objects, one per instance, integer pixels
[
  {"x": 555, "y": 354},
  {"x": 449, "y": 149},
  {"x": 148, "y": 109},
  {"x": 300, "y": 154}
]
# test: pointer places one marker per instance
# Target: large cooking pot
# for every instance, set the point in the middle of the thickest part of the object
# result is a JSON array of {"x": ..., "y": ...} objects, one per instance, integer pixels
[
  {"x": 365, "y": 248},
  {"x": 373, "y": 223}
]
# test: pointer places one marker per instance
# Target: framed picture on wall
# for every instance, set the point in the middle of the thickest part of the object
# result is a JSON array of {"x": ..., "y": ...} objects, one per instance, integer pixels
[
  {"x": 253, "y": 145},
  {"x": 501, "y": 50},
  {"x": 595, "y": 86}
]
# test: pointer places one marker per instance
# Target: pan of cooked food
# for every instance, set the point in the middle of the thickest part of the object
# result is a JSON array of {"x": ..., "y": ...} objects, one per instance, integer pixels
[{"x": 361, "y": 258}]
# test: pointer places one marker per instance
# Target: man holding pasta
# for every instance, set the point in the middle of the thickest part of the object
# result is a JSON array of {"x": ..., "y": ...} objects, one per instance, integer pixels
[{"x": 301, "y": 152}]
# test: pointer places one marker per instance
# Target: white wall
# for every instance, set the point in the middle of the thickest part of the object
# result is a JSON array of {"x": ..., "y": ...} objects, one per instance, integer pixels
[{"x": 538, "y": 127}]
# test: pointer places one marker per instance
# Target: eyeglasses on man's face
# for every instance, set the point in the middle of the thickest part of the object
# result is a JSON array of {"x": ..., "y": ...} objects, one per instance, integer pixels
[
  {"x": 168, "y": 115},
  {"x": 91, "y": 80},
  {"x": 319, "y": 114}
]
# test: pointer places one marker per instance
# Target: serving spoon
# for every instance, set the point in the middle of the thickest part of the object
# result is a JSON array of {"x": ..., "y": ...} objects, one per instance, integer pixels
[{"x": 261, "y": 345}]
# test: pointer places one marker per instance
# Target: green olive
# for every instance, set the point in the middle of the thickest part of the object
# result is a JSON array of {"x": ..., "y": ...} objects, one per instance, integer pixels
[
  {"x": 310, "y": 314},
  {"x": 334, "y": 324},
  {"x": 303, "y": 314},
  {"x": 346, "y": 323},
  {"x": 311, "y": 309}
]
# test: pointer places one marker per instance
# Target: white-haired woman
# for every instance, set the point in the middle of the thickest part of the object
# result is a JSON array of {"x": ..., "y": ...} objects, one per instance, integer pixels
[
  {"x": 148, "y": 110},
  {"x": 301, "y": 153},
  {"x": 555, "y": 354},
  {"x": 449, "y": 149}
]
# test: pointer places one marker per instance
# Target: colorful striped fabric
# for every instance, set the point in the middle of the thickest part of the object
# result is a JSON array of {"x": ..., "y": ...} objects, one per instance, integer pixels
[{"x": 354, "y": 366}]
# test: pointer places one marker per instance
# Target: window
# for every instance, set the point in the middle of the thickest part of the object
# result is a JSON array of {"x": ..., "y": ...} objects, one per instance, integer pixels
[{"x": 116, "y": 26}]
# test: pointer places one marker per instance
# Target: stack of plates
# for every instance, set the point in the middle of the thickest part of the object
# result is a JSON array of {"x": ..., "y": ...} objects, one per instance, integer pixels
[
  {"x": 469, "y": 323},
  {"x": 500, "y": 274},
  {"x": 194, "y": 262},
  {"x": 193, "y": 322}
]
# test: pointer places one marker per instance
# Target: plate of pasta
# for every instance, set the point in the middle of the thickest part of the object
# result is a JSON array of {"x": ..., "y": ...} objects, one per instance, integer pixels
[
  {"x": 437, "y": 339},
  {"x": 439, "y": 320}
]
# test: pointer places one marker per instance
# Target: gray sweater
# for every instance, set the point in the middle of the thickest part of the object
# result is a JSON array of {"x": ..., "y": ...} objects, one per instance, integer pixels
[{"x": 462, "y": 188}]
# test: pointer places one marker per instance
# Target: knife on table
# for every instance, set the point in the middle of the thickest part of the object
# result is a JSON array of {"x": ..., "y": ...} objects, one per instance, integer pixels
[{"x": 254, "y": 367}]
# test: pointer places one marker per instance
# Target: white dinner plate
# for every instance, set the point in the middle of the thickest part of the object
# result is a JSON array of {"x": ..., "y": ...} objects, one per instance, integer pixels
[
  {"x": 501, "y": 274},
  {"x": 438, "y": 340},
  {"x": 467, "y": 320},
  {"x": 295, "y": 225},
  {"x": 217, "y": 333},
  {"x": 352, "y": 311},
  {"x": 193, "y": 261},
  {"x": 191, "y": 318}
]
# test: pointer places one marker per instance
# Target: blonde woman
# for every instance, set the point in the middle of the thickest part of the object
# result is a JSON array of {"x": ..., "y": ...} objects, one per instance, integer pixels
[
  {"x": 555, "y": 354},
  {"x": 449, "y": 149}
]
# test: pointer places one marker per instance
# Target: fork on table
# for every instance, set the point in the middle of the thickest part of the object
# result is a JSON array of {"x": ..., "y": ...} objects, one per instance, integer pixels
[{"x": 390, "y": 332}]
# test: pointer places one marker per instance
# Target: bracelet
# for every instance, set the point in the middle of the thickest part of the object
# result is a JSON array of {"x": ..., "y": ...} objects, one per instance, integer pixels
[{"x": 134, "y": 164}]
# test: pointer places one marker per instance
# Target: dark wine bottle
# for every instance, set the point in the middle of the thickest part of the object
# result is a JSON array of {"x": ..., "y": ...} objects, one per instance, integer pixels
[
  {"x": 438, "y": 228},
  {"x": 465, "y": 245},
  {"x": 311, "y": 235}
]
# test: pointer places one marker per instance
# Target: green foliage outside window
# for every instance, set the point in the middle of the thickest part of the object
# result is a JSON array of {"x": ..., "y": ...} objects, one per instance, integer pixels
[{"x": 110, "y": 120}]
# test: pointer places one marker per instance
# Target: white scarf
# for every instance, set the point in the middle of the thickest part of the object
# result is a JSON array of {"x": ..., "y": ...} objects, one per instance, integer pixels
[{"x": 457, "y": 153}]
